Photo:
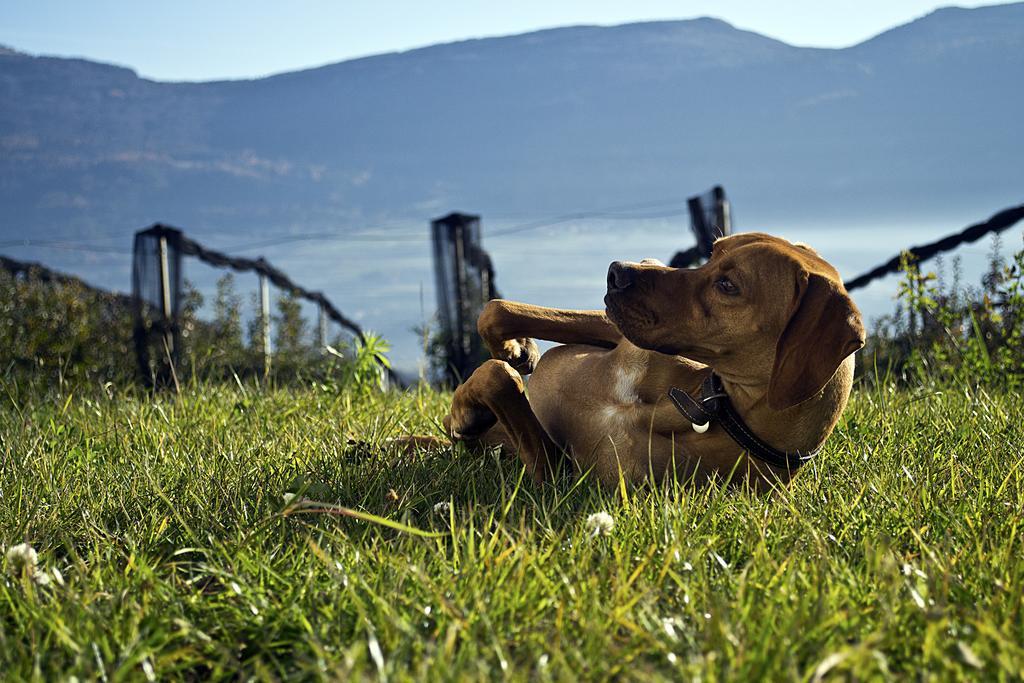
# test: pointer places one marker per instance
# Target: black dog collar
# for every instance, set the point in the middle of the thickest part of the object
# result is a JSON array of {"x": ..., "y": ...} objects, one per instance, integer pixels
[{"x": 714, "y": 404}]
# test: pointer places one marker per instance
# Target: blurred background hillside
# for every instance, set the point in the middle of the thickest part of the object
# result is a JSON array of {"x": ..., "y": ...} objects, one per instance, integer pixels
[{"x": 334, "y": 172}]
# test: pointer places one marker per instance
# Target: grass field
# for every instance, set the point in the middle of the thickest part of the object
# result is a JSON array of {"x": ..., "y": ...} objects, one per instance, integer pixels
[{"x": 896, "y": 555}]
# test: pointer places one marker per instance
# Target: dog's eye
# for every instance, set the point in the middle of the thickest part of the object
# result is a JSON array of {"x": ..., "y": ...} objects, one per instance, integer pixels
[{"x": 727, "y": 286}]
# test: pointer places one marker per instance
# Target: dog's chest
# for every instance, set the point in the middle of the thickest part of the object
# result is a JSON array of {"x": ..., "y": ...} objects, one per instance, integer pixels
[
  {"x": 626, "y": 383},
  {"x": 622, "y": 401}
]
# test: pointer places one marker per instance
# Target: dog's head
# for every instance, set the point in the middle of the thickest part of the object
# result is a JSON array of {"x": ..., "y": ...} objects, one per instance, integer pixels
[{"x": 761, "y": 310}]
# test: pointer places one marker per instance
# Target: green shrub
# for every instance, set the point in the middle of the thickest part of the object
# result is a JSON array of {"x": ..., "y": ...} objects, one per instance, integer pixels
[
  {"x": 974, "y": 335},
  {"x": 66, "y": 331},
  {"x": 63, "y": 330}
]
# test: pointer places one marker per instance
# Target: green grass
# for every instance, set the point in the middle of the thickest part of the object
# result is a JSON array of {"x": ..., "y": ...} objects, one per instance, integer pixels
[{"x": 896, "y": 555}]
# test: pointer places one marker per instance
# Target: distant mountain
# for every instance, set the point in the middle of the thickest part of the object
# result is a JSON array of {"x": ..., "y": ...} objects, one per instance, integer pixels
[{"x": 911, "y": 122}]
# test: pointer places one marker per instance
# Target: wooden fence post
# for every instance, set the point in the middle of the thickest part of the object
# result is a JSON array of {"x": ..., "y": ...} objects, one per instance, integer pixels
[
  {"x": 723, "y": 212},
  {"x": 265, "y": 321},
  {"x": 323, "y": 329},
  {"x": 165, "y": 299}
]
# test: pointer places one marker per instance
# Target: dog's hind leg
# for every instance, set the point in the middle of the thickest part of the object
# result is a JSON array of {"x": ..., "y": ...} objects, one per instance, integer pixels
[{"x": 491, "y": 406}]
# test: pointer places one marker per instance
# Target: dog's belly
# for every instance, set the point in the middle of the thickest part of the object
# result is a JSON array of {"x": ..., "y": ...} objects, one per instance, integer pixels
[
  {"x": 589, "y": 401},
  {"x": 563, "y": 391}
]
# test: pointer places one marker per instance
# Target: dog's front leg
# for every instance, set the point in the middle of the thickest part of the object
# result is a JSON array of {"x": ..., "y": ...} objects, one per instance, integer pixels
[
  {"x": 508, "y": 328},
  {"x": 493, "y": 402}
]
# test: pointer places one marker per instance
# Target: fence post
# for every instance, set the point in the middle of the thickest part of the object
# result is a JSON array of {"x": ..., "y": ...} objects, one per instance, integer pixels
[
  {"x": 465, "y": 282},
  {"x": 710, "y": 218},
  {"x": 699, "y": 225},
  {"x": 265, "y": 321},
  {"x": 460, "y": 283},
  {"x": 165, "y": 298},
  {"x": 323, "y": 329},
  {"x": 156, "y": 295},
  {"x": 723, "y": 212}
]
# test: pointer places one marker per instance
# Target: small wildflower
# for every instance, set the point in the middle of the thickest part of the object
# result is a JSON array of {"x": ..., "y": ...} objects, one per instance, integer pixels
[
  {"x": 22, "y": 558},
  {"x": 969, "y": 657},
  {"x": 147, "y": 668},
  {"x": 669, "y": 625},
  {"x": 442, "y": 508},
  {"x": 600, "y": 524},
  {"x": 375, "y": 652}
]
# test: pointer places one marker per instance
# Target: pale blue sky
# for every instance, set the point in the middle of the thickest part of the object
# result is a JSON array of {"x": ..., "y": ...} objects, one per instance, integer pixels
[{"x": 207, "y": 39}]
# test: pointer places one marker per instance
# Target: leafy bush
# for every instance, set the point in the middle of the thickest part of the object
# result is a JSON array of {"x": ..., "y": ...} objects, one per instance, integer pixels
[
  {"x": 66, "y": 330},
  {"x": 974, "y": 335},
  {"x": 63, "y": 330},
  {"x": 216, "y": 345}
]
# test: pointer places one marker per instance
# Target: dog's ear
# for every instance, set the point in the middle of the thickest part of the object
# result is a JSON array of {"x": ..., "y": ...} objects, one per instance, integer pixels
[{"x": 824, "y": 328}]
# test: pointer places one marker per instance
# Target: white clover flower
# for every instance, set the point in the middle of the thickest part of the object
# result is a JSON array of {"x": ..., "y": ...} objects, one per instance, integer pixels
[
  {"x": 22, "y": 558},
  {"x": 147, "y": 668},
  {"x": 600, "y": 524},
  {"x": 669, "y": 624}
]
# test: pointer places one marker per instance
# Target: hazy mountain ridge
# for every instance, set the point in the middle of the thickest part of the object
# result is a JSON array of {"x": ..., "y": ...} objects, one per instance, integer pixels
[{"x": 912, "y": 120}]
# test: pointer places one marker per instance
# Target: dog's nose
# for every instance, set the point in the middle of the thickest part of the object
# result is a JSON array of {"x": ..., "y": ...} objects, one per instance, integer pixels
[{"x": 620, "y": 277}]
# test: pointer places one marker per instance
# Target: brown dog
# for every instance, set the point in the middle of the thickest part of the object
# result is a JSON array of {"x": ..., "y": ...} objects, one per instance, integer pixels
[{"x": 771, "y": 319}]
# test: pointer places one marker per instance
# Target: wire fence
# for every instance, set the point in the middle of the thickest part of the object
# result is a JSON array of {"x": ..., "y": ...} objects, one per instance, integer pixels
[
  {"x": 464, "y": 279},
  {"x": 157, "y": 295}
]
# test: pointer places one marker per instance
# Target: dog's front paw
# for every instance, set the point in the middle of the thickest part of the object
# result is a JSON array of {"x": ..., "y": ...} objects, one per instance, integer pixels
[
  {"x": 468, "y": 424},
  {"x": 522, "y": 354}
]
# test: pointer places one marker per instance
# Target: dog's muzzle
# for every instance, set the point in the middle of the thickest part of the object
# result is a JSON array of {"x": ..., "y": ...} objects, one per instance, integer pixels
[{"x": 620, "y": 277}]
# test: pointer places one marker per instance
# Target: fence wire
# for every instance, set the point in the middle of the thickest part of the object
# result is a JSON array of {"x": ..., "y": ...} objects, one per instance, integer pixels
[
  {"x": 38, "y": 271},
  {"x": 999, "y": 222}
]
